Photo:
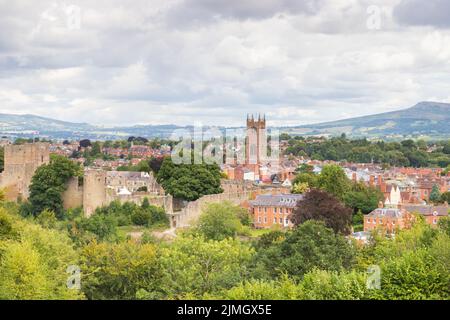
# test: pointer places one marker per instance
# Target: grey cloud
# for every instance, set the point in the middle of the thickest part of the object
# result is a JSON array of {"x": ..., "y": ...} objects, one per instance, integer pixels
[
  {"x": 198, "y": 12},
  {"x": 423, "y": 13}
]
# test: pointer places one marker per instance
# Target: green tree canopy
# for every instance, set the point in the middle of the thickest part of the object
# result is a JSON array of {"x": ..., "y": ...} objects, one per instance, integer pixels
[
  {"x": 48, "y": 184},
  {"x": 189, "y": 181}
]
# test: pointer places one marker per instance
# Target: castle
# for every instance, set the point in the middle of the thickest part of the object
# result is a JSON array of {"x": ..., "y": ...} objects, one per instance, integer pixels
[
  {"x": 98, "y": 188},
  {"x": 21, "y": 161}
]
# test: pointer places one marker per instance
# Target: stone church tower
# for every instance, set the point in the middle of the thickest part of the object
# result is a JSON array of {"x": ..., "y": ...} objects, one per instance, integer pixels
[{"x": 256, "y": 142}]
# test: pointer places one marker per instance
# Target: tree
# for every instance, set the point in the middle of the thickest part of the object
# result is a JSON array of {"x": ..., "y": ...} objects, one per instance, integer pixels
[
  {"x": 85, "y": 143},
  {"x": 142, "y": 218},
  {"x": 309, "y": 180},
  {"x": 156, "y": 163},
  {"x": 49, "y": 182},
  {"x": 445, "y": 197},
  {"x": 194, "y": 266},
  {"x": 119, "y": 271},
  {"x": 220, "y": 221},
  {"x": 322, "y": 206},
  {"x": 363, "y": 198},
  {"x": 435, "y": 194},
  {"x": 333, "y": 179},
  {"x": 310, "y": 245},
  {"x": 34, "y": 261},
  {"x": 300, "y": 188},
  {"x": 332, "y": 285},
  {"x": 189, "y": 181}
]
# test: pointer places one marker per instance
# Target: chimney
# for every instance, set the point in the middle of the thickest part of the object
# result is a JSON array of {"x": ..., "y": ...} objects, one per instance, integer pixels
[
  {"x": 380, "y": 204},
  {"x": 354, "y": 176},
  {"x": 371, "y": 180},
  {"x": 380, "y": 179}
]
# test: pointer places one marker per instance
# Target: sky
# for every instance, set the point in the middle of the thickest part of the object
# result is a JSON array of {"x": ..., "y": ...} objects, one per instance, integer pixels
[{"x": 212, "y": 62}]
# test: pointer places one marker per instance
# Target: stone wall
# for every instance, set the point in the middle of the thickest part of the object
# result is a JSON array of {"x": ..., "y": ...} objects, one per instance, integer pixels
[
  {"x": 94, "y": 190},
  {"x": 21, "y": 161},
  {"x": 73, "y": 196},
  {"x": 191, "y": 212}
]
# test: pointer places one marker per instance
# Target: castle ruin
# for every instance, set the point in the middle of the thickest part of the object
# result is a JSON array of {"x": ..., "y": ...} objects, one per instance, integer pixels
[{"x": 21, "y": 161}]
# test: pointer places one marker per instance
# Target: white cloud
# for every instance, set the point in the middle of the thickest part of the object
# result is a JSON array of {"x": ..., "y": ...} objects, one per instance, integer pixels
[{"x": 181, "y": 61}]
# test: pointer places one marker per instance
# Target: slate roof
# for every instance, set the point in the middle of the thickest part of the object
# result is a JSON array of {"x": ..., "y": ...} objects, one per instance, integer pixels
[
  {"x": 386, "y": 212},
  {"x": 427, "y": 210},
  {"x": 278, "y": 200}
]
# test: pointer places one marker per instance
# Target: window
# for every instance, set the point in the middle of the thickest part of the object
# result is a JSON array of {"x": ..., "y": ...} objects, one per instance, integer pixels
[
  {"x": 286, "y": 221},
  {"x": 275, "y": 209},
  {"x": 368, "y": 220},
  {"x": 259, "y": 219},
  {"x": 265, "y": 209},
  {"x": 265, "y": 219},
  {"x": 281, "y": 220},
  {"x": 434, "y": 221},
  {"x": 274, "y": 220}
]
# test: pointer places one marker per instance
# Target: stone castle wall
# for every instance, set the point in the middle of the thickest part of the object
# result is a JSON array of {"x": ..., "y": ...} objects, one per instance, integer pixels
[
  {"x": 191, "y": 212},
  {"x": 73, "y": 195},
  {"x": 21, "y": 162}
]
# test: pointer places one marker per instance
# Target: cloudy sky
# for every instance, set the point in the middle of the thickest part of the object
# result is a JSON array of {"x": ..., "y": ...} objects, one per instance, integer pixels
[{"x": 213, "y": 61}]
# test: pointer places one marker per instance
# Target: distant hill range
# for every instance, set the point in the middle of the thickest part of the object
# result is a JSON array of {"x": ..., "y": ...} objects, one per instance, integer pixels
[{"x": 425, "y": 119}]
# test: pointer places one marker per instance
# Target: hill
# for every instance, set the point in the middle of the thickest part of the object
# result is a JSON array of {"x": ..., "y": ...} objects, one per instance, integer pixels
[{"x": 425, "y": 119}]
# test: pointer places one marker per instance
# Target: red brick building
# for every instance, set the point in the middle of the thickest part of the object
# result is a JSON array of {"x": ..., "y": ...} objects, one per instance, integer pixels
[{"x": 268, "y": 210}]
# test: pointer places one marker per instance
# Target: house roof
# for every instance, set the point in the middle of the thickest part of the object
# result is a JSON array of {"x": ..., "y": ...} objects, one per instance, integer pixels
[
  {"x": 387, "y": 212},
  {"x": 428, "y": 210},
  {"x": 278, "y": 200}
]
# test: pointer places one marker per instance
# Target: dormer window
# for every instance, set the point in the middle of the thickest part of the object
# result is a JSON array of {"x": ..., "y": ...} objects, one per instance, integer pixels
[{"x": 435, "y": 213}]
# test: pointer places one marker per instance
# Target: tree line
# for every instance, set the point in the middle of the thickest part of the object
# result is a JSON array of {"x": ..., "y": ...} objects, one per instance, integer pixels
[{"x": 404, "y": 153}]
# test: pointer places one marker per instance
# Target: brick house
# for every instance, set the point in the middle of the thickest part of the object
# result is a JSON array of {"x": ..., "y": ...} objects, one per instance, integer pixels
[
  {"x": 388, "y": 219},
  {"x": 269, "y": 210},
  {"x": 431, "y": 214}
]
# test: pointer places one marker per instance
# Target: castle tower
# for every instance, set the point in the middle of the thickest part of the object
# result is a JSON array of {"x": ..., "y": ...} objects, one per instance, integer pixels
[
  {"x": 94, "y": 194},
  {"x": 256, "y": 141},
  {"x": 21, "y": 162}
]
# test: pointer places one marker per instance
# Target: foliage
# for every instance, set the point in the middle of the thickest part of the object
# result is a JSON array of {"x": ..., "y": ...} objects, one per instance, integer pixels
[
  {"x": 435, "y": 194},
  {"x": 332, "y": 285},
  {"x": 119, "y": 271},
  {"x": 189, "y": 181},
  {"x": 195, "y": 265},
  {"x": 300, "y": 187},
  {"x": 310, "y": 245},
  {"x": 362, "y": 197},
  {"x": 49, "y": 182},
  {"x": 406, "y": 153},
  {"x": 130, "y": 213},
  {"x": 322, "y": 206},
  {"x": 33, "y": 261},
  {"x": 47, "y": 219},
  {"x": 221, "y": 220},
  {"x": 333, "y": 179}
]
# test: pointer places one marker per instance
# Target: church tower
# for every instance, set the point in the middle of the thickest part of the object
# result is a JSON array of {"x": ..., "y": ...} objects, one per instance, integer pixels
[{"x": 256, "y": 141}]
